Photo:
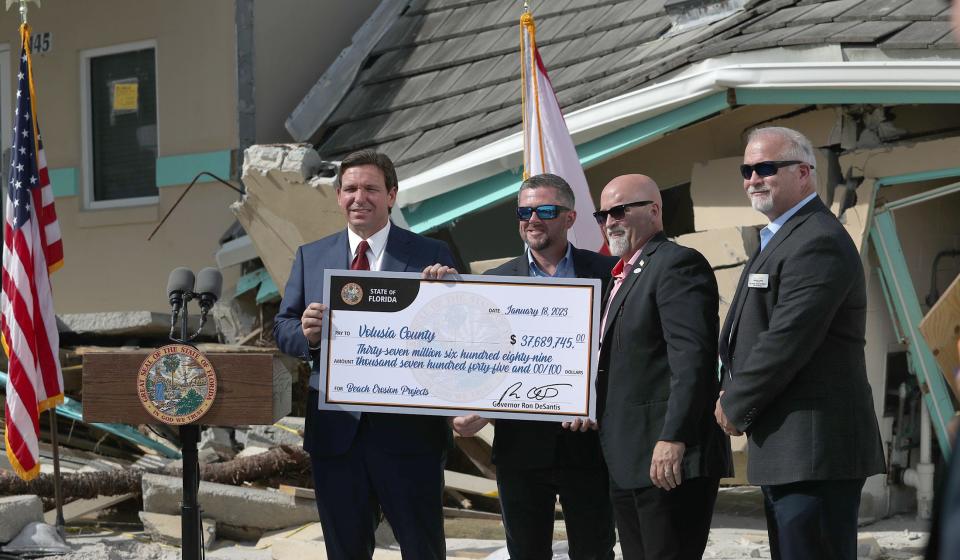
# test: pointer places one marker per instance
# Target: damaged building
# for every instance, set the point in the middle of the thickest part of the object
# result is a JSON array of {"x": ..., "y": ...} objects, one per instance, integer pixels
[{"x": 669, "y": 89}]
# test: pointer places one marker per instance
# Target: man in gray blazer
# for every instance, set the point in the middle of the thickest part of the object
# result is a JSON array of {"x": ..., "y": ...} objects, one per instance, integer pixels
[{"x": 791, "y": 347}]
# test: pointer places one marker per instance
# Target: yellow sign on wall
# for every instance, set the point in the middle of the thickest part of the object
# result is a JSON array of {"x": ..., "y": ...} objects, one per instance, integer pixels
[{"x": 125, "y": 96}]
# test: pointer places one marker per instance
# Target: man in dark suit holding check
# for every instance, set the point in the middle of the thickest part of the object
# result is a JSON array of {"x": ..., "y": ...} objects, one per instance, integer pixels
[
  {"x": 658, "y": 380},
  {"x": 365, "y": 462},
  {"x": 794, "y": 377},
  {"x": 538, "y": 461}
]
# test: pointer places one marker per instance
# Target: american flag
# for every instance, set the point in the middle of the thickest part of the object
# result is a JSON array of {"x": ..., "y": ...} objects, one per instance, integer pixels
[{"x": 31, "y": 250}]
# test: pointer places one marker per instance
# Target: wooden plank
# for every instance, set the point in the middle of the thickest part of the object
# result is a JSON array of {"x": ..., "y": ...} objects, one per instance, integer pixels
[
  {"x": 941, "y": 330},
  {"x": 479, "y": 454},
  {"x": 470, "y": 484},
  {"x": 79, "y": 508},
  {"x": 486, "y": 434},
  {"x": 450, "y": 513},
  {"x": 245, "y": 383},
  {"x": 298, "y": 492}
]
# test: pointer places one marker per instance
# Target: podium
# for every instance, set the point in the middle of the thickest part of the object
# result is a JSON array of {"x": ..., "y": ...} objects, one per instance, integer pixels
[{"x": 252, "y": 388}]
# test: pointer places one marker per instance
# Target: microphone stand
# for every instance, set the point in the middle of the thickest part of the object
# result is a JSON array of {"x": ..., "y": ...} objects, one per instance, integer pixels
[{"x": 190, "y": 524}]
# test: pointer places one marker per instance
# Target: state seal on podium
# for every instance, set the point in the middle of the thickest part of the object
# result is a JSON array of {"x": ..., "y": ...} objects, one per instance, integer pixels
[{"x": 176, "y": 384}]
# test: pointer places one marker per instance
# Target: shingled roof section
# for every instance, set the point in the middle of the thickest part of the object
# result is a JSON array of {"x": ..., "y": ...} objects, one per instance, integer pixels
[{"x": 445, "y": 79}]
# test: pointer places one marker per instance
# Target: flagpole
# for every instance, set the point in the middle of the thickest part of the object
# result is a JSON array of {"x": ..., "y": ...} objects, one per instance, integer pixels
[
  {"x": 54, "y": 439},
  {"x": 57, "y": 494}
]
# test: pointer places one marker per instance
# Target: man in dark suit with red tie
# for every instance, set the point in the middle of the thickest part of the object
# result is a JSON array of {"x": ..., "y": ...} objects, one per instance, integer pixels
[
  {"x": 795, "y": 378},
  {"x": 363, "y": 463},
  {"x": 657, "y": 381}
]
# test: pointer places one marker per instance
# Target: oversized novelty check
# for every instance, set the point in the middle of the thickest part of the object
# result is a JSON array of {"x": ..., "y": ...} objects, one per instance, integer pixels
[{"x": 498, "y": 346}]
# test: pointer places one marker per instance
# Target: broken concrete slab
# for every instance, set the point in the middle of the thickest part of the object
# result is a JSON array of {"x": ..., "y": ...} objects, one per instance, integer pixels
[
  {"x": 901, "y": 159},
  {"x": 291, "y": 549},
  {"x": 16, "y": 512},
  {"x": 204, "y": 457},
  {"x": 286, "y": 204},
  {"x": 219, "y": 440},
  {"x": 267, "y": 436},
  {"x": 167, "y": 529},
  {"x": 231, "y": 506},
  {"x": 235, "y": 318},
  {"x": 226, "y": 550},
  {"x": 308, "y": 532},
  {"x": 126, "y": 323},
  {"x": 79, "y": 508}
]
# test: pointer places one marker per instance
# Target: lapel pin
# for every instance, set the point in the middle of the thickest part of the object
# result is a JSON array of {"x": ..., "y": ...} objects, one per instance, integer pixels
[{"x": 637, "y": 270}]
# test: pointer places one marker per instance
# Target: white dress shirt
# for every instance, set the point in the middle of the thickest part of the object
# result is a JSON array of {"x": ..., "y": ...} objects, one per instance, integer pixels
[{"x": 377, "y": 244}]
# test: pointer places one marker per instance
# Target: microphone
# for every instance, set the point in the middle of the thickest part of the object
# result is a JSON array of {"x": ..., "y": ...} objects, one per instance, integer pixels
[
  {"x": 179, "y": 284},
  {"x": 209, "y": 283}
]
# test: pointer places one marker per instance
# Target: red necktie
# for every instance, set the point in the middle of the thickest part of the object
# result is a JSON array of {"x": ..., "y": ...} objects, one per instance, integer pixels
[{"x": 360, "y": 262}]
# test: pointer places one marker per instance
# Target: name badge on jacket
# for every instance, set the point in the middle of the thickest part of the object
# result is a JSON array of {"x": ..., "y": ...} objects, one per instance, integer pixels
[{"x": 759, "y": 281}]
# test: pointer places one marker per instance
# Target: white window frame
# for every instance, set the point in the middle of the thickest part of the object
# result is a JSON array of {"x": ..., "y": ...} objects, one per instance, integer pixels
[{"x": 86, "y": 128}]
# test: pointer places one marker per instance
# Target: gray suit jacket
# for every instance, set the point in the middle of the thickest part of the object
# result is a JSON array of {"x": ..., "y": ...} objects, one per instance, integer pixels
[{"x": 795, "y": 377}]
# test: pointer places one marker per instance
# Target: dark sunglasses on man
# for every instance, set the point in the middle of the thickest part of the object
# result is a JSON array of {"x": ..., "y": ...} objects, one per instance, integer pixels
[
  {"x": 544, "y": 211},
  {"x": 767, "y": 168},
  {"x": 618, "y": 211}
]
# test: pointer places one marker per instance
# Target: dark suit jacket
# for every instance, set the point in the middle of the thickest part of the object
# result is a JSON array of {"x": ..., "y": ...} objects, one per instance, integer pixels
[
  {"x": 795, "y": 376},
  {"x": 329, "y": 433},
  {"x": 530, "y": 444},
  {"x": 658, "y": 362}
]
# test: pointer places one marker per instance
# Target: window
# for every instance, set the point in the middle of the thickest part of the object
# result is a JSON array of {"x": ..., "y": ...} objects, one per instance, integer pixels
[{"x": 119, "y": 97}]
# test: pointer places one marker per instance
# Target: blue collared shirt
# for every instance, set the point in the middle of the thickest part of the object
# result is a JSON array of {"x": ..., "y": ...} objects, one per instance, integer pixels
[
  {"x": 564, "y": 267},
  {"x": 767, "y": 233}
]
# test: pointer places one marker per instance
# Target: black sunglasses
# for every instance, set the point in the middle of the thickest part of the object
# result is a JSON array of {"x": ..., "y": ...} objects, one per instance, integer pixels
[
  {"x": 617, "y": 211},
  {"x": 767, "y": 168},
  {"x": 544, "y": 211}
]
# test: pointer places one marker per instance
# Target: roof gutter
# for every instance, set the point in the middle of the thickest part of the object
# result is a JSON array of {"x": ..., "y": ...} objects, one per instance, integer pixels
[{"x": 638, "y": 106}]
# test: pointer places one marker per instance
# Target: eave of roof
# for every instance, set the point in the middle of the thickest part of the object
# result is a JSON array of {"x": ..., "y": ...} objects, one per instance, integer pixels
[{"x": 603, "y": 130}]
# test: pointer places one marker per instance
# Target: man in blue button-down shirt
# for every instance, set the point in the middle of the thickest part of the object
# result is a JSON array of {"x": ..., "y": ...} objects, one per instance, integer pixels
[{"x": 538, "y": 461}]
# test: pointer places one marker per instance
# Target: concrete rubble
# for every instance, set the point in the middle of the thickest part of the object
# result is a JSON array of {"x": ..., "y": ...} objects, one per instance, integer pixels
[
  {"x": 16, "y": 512},
  {"x": 218, "y": 440},
  {"x": 125, "y": 323},
  {"x": 237, "y": 510},
  {"x": 267, "y": 436},
  {"x": 168, "y": 529},
  {"x": 279, "y": 218}
]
